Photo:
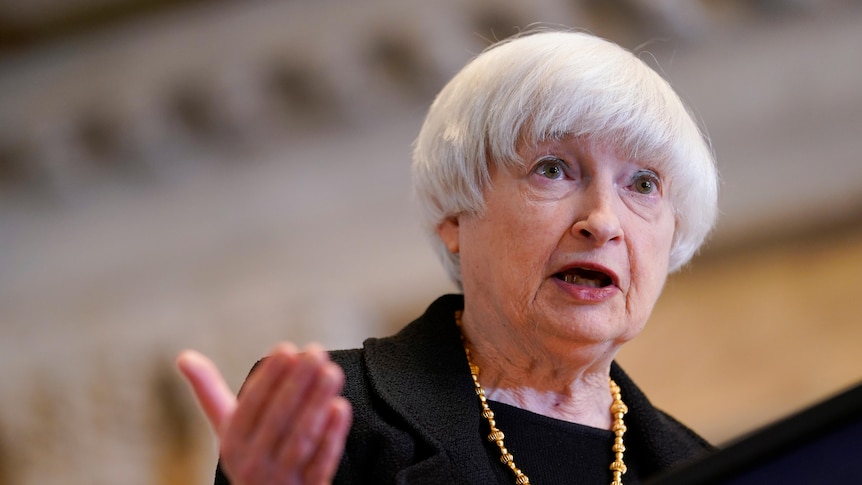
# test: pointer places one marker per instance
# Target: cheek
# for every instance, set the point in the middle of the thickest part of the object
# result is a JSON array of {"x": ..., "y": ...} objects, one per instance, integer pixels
[
  {"x": 650, "y": 261},
  {"x": 533, "y": 242},
  {"x": 660, "y": 252},
  {"x": 515, "y": 250}
]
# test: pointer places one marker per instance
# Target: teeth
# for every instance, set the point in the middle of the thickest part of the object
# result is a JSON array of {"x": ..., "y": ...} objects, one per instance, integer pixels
[{"x": 577, "y": 280}]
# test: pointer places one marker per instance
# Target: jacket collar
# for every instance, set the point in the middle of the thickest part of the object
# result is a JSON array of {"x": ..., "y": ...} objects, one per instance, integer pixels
[{"x": 422, "y": 373}]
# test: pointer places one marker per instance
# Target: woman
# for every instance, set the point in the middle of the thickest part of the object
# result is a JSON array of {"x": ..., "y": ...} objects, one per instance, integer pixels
[{"x": 561, "y": 180}]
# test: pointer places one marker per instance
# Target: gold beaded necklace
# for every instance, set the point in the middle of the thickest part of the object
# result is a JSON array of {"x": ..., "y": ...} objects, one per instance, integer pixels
[{"x": 618, "y": 410}]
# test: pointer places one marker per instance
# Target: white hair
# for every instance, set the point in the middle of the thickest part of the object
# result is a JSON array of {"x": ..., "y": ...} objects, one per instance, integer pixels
[{"x": 550, "y": 84}]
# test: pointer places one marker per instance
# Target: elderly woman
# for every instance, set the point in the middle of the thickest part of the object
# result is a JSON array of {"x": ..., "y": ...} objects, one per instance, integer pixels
[{"x": 562, "y": 180}]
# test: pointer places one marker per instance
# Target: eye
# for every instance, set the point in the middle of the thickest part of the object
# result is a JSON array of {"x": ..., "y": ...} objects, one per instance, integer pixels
[
  {"x": 552, "y": 168},
  {"x": 646, "y": 182}
]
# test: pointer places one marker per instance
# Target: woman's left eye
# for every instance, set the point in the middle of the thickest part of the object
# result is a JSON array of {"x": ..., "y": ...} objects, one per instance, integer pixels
[
  {"x": 646, "y": 182},
  {"x": 554, "y": 169}
]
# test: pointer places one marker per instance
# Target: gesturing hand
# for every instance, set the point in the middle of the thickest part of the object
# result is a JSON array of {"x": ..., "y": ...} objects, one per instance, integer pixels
[{"x": 289, "y": 423}]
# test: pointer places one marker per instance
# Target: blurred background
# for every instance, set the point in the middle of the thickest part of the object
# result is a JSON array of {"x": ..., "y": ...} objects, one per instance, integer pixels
[{"x": 224, "y": 175}]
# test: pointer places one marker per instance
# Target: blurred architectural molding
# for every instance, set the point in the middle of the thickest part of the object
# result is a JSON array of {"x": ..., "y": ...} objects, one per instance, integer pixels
[{"x": 127, "y": 100}]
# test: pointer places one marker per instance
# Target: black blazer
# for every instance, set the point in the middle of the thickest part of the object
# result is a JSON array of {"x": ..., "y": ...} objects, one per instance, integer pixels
[{"x": 416, "y": 419}]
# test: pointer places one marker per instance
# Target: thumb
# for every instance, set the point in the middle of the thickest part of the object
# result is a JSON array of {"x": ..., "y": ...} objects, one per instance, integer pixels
[{"x": 209, "y": 387}]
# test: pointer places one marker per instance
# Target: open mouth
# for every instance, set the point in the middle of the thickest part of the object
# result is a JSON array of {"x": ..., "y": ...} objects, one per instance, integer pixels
[{"x": 585, "y": 277}]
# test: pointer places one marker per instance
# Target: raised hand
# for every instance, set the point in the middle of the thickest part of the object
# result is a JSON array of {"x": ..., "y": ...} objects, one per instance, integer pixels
[{"x": 288, "y": 425}]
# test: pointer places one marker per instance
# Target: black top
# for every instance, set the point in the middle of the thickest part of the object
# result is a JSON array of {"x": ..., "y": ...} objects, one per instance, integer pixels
[
  {"x": 416, "y": 420},
  {"x": 550, "y": 450}
]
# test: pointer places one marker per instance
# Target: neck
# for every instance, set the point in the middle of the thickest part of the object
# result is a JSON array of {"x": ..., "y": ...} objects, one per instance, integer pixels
[
  {"x": 583, "y": 404},
  {"x": 562, "y": 380}
]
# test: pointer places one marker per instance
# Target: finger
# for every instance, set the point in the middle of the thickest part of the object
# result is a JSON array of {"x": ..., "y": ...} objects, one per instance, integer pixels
[
  {"x": 322, "y": 466},
  {"x": 295, "y": 390},
  {"x": 258, "y": 390},
  {"x": 305, "y": 432},
  {"x": 209, "y": 387},
  {"x": 241, "y": 459}
]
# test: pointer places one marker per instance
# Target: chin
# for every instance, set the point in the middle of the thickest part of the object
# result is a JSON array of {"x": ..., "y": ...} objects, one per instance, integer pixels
[{"x": 598, "y": 331}]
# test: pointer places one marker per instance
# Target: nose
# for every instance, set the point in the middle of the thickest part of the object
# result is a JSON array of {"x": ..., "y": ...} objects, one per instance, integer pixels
[{"x": 598, "y": 220}]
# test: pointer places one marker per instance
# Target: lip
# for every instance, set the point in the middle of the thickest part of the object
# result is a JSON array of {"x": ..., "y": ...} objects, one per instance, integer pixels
[{"x": 586, "y": 293}]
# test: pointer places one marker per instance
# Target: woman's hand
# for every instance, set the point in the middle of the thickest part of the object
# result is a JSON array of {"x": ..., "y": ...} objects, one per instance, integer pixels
[{"x": 288, "y": 425}]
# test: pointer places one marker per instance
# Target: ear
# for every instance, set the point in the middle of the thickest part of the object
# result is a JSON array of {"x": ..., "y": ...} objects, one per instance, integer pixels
[{"x": 447, "y": 231}]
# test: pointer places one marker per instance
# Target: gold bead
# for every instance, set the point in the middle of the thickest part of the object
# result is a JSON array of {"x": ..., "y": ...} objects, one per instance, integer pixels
[{"x": 619, "y": 408}]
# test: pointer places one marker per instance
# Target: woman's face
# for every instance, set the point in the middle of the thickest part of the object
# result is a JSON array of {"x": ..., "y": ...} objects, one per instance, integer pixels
[{"x": 573, "y": 245}]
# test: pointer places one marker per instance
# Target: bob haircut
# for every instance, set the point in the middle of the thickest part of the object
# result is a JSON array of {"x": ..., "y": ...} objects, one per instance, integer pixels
[{"x": 546, "y": 85}]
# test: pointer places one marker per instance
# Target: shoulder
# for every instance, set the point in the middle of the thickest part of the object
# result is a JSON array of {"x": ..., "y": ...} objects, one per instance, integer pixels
[
  {"x": 397, "y": 386},
  {"x": 398, "y": 359}
]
